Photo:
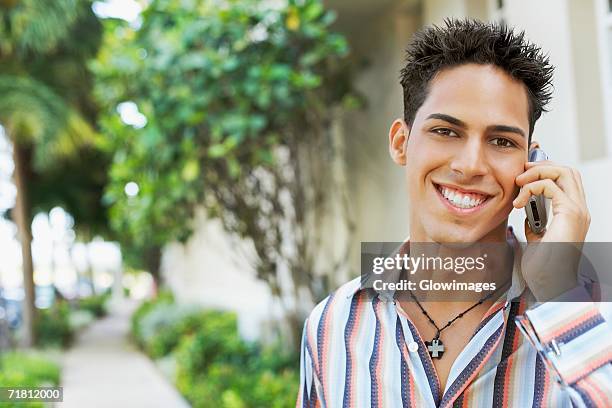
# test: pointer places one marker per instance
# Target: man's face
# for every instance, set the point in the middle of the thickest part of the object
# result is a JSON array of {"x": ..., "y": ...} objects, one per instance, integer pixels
[{"x": 467, "y": 144}]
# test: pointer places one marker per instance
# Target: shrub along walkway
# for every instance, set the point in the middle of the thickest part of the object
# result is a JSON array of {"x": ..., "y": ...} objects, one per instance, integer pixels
[{"x": 103, "y": 369}]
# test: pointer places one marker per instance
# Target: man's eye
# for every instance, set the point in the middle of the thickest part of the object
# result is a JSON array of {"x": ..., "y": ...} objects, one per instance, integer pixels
[
  {"x": 503, "y": 142},
  {"x": 445, "y": 132}
]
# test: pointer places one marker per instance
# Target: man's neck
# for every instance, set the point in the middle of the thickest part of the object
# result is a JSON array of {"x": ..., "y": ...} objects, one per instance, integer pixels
[{"x": 493, "y": 248}]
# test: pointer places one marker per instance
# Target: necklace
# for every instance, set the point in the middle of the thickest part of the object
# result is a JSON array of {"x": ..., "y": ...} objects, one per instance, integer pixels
[{"x": 435, "y": 347}]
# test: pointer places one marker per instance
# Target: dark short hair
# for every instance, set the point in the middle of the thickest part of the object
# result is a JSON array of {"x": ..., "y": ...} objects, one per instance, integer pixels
[{"x": 458, "y": 42}]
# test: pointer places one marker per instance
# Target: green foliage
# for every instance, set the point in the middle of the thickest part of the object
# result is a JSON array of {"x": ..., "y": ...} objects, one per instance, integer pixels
[
  {"x": 18, "y": 369},
  {"x": 57, "y": 325},
  {"x": 44, "y": 81},
  {"x": 33, "y": 367},
  {"x": 34, "y": 26},
  {"x": 96, "y": 304},
  {"x": 215, "y": 367},
  {"x": 188, "y": 322},
  {"x": 216, "y": 341},
  {"x": 36, "y": 113},
  {"x": 53, "y": 326},
  {"x": 222, "y": 85},
  {"x": 47, "y": 105},
  {"x": 163, "y": 298},
  {"x": 160, "y": 330}
]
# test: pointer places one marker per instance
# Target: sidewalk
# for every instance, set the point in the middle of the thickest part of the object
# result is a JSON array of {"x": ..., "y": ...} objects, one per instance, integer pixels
[{"x": 103, "y": 369}]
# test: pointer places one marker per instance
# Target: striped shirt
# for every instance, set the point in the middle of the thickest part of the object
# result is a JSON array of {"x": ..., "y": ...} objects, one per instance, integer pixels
[{"x": 356, "y": 353}]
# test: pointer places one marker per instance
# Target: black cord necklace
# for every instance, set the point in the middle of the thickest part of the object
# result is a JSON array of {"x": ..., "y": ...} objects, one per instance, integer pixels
[{"x": 435, "y": 347}]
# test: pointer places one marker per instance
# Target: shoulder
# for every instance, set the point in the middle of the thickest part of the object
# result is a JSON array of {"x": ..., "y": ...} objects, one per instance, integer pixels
[{"x": 332, "y": 312}]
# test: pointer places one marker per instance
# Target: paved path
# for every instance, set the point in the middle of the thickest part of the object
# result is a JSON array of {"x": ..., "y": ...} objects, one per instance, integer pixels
[{"x": 103, "y": 369}]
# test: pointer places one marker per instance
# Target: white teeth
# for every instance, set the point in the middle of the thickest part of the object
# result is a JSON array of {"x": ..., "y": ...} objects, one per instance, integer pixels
[{"x": 461, "y": 200}]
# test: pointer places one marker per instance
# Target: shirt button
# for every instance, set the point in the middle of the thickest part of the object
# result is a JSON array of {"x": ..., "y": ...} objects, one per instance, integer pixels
[{"x": 413, "y": 347}]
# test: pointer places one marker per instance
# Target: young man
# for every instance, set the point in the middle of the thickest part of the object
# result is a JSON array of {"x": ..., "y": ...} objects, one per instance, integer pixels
[{"x": 472, "y": 95}]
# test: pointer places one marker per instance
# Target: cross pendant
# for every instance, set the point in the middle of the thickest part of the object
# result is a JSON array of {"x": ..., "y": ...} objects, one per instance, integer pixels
[{"x": 435, "y": 348}]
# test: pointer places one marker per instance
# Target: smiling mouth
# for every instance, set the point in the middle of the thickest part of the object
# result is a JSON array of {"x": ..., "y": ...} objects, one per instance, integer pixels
[{"x": 461, "y": 200}]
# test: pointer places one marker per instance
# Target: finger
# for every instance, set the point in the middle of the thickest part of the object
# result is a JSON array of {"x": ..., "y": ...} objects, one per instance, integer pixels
[
  {"x": 578, "y": 195},
  {"x": 529, "y": 165},
  {"x": 530, "y": 235},
  {"x": 547, "y": 187},
  {"x": 564, "y": 177},
  {"x": 583, "y": 204},
  {"x": 578, "y": 179},
  {"x": 541, "y": 171}
]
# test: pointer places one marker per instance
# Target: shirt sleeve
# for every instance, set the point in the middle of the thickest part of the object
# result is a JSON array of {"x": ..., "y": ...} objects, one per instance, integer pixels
[
  {"x": 307, "y": 392},
  {"x": 575, "y": 342}
]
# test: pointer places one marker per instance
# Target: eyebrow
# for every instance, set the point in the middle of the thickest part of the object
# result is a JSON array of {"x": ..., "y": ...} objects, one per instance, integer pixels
[
  {"x": 505, "y": 128},
  {"x": 448, "y": 118},
  {"x": 462, "y": 124}
]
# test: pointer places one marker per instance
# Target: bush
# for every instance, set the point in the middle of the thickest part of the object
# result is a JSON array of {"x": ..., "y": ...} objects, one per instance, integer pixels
[
  {"x": 53, "y": 326},
  {"x": 217, "y": 368},
  {"x": 178, "y": 323},
  {"x": 214, "y": 366},
  {"x": 162, "y": 328},
  {"x": 216, "y": 341},
  {"x": 80, "y": 319},
  {"x": 19, "y": 369},
  {"x": 95, "y": 304},
  {"x": 164, "y": 297}
]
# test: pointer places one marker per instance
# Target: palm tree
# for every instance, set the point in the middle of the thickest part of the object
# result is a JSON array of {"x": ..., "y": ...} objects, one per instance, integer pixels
[{"x": 44, "y": 46}]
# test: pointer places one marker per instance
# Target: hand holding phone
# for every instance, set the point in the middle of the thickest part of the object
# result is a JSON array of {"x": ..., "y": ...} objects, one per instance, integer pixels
[
  {"x": 541, "y": 183},
  {"x": 537, "y": 206}
]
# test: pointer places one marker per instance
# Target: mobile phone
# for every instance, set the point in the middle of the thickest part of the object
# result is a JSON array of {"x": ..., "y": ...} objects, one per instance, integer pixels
[{"x": 537, "y": 206}]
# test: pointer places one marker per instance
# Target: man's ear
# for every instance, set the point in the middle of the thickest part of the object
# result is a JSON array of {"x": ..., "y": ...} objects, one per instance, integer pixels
[{"x": 398, "y": 136}]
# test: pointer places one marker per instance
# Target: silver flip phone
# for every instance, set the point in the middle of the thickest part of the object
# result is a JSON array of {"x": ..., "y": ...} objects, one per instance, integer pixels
[{"x": 537, "y": 206}]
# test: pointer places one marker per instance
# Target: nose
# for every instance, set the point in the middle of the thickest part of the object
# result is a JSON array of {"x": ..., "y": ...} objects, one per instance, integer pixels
[{"x": 470, "y": 161}]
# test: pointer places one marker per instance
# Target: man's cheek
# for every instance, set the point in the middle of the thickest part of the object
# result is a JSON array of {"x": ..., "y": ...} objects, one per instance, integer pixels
[
  {"x": 411, "y": 177},
  {"x": 510, "y": 186},
  {"x": 416, "y": 192},
  {"x": 512, "y": 192}
]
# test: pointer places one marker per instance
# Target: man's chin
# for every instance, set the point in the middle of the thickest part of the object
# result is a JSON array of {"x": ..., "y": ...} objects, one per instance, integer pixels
[
  {"x": 451, "y": 233},
  {"x": 456, "y": 235}
]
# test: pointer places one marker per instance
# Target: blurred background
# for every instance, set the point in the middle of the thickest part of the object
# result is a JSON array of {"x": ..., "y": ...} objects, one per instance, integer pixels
[{"x": 182, "y": 180}]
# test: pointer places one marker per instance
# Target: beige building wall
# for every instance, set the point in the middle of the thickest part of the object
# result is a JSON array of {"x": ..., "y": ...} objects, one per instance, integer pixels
[{"x": 210, "y": 270}]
